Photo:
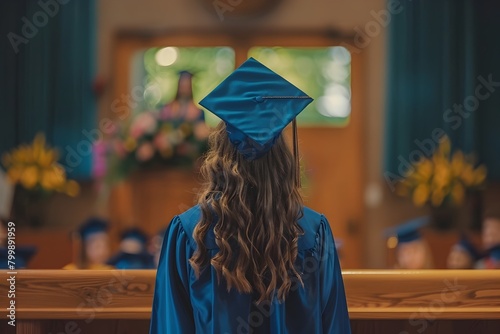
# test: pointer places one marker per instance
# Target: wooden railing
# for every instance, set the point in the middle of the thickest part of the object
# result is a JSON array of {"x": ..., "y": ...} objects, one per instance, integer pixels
[{"x": 411, "y": 297}]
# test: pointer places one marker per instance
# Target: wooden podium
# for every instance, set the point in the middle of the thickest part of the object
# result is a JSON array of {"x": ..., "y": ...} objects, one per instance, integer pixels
[
  {"x": 380, "y": 301},
  {"x": 150, "y": 199}
]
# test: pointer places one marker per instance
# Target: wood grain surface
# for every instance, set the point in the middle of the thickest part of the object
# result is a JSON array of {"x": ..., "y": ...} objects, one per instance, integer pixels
[{"x": 372, "y": 294}]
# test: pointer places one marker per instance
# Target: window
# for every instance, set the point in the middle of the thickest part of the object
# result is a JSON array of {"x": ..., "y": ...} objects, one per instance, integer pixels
[
  {"x": 313, "y": 62},
  {"x": 323, "y": 73},
  {"x": 157, "y": 70}
]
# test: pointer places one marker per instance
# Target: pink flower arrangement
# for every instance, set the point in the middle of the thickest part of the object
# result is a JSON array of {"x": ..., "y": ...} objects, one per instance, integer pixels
[
  {"x": 161, "y": 142},
  {"x": 99, "y": 159},
  {"x": 144, "y": 123},
  {"x": 145, "y": 152},
  {"x": 151, "y": 139}
]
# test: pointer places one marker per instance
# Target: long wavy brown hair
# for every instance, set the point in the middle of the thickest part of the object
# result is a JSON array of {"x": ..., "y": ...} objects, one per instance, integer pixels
[{"x": 254, "y": 208}]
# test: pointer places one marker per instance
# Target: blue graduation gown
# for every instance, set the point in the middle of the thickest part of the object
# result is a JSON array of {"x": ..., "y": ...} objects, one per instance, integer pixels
[{"x": 184, "y": 304}]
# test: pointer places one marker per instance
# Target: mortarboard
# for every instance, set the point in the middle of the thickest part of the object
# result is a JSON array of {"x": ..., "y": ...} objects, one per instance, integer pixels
[
  {"x": 135, "y": 233},
  {"x": 406, "y": 232},
  {"x": 126, "y": 259},
  {"x": 91, "y": 226},
  {"x": 256, "y": 104}
]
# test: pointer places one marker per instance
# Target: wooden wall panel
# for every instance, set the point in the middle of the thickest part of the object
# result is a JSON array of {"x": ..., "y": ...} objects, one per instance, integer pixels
[
  {"x": 53, "y": 247},
  {"x": 150, "y": 199}
]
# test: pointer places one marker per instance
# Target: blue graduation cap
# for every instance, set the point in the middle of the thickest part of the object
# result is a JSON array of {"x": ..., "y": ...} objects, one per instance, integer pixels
[
  {"x": 465, "y": 244},
  {"x": 256, "y": 104},
  {"x": 135, "y": 233},
  {"x": 91, "y": 226},
  {"x": 408, "y": 231}
]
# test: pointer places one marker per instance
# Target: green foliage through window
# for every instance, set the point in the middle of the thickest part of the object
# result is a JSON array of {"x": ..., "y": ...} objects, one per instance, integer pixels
[
  {"x": 157, "y": 70},
  {"x": 322, "y": 73}
]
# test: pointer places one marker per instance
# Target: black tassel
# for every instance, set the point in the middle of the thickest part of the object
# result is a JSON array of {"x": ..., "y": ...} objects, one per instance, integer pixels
[{"x": 296, "y": 152}]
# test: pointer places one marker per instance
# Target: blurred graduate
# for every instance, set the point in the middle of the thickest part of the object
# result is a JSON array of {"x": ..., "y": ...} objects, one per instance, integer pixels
[
  {"x": 412, "y": 251},
  {"x": 91, "y": 245},
  {"x": 491, "y": 241},
  {"x": 250, "y": 257},
  {"x": 463, "y": 255},
  {"x": 133, "y": 252}
]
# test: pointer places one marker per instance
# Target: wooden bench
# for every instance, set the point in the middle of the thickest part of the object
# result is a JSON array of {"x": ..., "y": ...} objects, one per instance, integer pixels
[{"x": 380, "y": 301}]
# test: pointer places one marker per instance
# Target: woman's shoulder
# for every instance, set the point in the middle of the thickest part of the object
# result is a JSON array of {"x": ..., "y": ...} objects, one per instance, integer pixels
[
  {"x": 190, "y": 217},
  {"x": 310, "y": 222},
  {"x": 188, "y": 221}
]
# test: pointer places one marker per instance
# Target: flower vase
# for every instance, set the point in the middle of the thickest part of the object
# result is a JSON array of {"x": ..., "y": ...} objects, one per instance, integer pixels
[{"x": 444, "y": 217}]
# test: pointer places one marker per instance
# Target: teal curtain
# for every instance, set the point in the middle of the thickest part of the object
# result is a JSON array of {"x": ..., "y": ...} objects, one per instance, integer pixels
[
  {"x": 48, "y": 65},
  {"x": 439, "y": 53},
  {"x": 488, "y": 55}
]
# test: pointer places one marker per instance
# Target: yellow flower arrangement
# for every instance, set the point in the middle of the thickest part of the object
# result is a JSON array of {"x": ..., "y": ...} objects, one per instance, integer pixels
[
  {"x": 441, "y": 179},
  {"x": 35, "y": 168}
]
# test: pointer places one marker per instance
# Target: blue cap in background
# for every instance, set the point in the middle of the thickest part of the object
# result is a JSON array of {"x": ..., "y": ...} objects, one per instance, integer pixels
[
  {"x": 91, "y": 226},
  {"x": 135, "y": 233},
  {"x": 408, "y": 231}
]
